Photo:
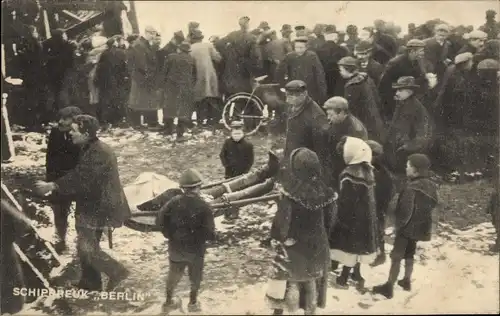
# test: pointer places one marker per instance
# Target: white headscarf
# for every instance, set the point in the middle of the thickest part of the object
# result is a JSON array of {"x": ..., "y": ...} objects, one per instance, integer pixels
[{"x": 356, "y": 151}]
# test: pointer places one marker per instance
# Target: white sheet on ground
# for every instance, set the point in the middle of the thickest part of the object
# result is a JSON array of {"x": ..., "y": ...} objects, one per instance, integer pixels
[{"x": 146, "y": 186}]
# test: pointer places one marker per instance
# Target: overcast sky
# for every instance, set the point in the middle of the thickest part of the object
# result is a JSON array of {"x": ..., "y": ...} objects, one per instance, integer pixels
[{"x": 220, "y": 17}]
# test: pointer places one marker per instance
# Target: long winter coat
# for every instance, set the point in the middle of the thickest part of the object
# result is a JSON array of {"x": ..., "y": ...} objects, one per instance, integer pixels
[
  {"x": 178, "y": 81},
  {"x": 374, "y": 70},
  {"x": 75, "y": 88},
  {"x": 306, "y": 127},
  {"x": 355, "y": 233},
  {"x": 329, "y": 54},
  {"x": 143, "y": 65},
  {"x": 241, "y": 61},
  {"x": 307, "y": 68},
  {"x": 414, "y": 209},
  {"x": 411, "y": 126},
  {"x": 95, "y": 184},
  {"x": 396, "y": 68},
  {"x": 364, "y": 103},
  {"x": 111, "y": 75},
  {"x": 385, "y": 47},
  {"x": 207, "y": 84},
  {"x": 436, "y": 54}
]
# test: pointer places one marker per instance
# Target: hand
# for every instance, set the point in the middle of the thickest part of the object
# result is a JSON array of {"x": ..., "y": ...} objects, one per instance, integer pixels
[
  {"x": 44, "y": 188},
  {"x": 432, "y": 80}
]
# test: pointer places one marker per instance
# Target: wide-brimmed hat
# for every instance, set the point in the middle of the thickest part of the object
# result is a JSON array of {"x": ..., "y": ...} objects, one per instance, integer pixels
[
  {"x": 363, "y": 47},
  {"x": 190, "y": 178},
  {"x": 406, "y": 82}
]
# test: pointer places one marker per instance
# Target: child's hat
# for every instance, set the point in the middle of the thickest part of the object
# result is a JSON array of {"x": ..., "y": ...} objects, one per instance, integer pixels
[
  {"x": 420, "y": 162},
  {"x": 190, "y": 178},
  {"x": 236, "y": 124}
]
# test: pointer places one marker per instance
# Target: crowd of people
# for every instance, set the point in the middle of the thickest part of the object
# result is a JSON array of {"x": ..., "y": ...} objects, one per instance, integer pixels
[{"x": 358, "y": 110}]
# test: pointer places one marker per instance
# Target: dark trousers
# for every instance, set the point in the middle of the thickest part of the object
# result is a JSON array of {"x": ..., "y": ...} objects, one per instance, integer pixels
[
  {"x": 112, "y": 111},
  {"x": 61, "y": 211},
  {"x": 404, "y": 248},
  {"x": 182, "y": 125},
  {"x": 209, "y": 109},
  {"x": 150, "y": 117},
  {"x": 176, "y": 271},
  {"x": 93, "y": 260}
]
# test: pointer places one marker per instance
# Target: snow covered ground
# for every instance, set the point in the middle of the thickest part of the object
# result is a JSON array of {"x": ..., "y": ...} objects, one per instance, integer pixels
[{"x": 455, "y": 273}]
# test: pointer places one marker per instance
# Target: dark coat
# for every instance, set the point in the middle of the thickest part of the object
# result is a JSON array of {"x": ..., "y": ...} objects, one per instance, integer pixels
[
  {"x": 241, "y": 61},
  {"x": 112, "y": 75},
  {"x": 385, "y": 47},
  {"x": 62, "y": 155},
  {"x": 364, "y": 103},
  {"x": 11, "y": 273},
  {"x": 188, "y": 222},
  {"x": 308, "y": 226},
  {"x": 75, "y": 88},
  {"x": 356, "y": 229},
  {"x": 143, "y": 67},
  {"x": 374, "y": 70},
  {"x": 329, "y": 54},
  {"x": 96, "y": 186},
  {"x": 333, "y": 162},
  {"x": 178, "y": 82},
  {"x": 60, "y": 58},
  {"x": 411, "y": 126},
  {"x": 307, "y": 68},
  {"x": 306, "y": 127},
  {"x": 438, "y": 56},
  {"x": 414, "y": 209},
  {"x": 456, "y": 97},
  {"x": 398, "y": 67},
  {"x": 162, "y": 54},
  {"x": 236, "y": 157},
  {"x": 383, "y": 188}
]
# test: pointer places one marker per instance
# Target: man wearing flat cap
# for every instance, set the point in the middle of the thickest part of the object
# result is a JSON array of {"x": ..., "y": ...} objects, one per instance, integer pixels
[
  {"x": 456, "y": 92},
  {"x": 241, "y": 59},
  {"x": 306, "y": 121},
  {"x": 363, "y": 51},
  {"x": 101, "y": 204},
  {"x": 411, "y": 63},
  {"x": 303, "y": 65},
  {"x": 143, "y": 66},
  {"x": 329, "y": 54},
  {"x": 475, "y": 42},
  {"x": 411, "y": 128},
  {"x": 437, "y": 50}
]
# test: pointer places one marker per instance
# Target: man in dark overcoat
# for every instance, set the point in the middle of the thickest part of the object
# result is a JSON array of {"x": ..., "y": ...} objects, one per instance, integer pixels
[
  {"x": 143, "y": 65},
  {"x": 111, "y": 78},
  {"x": 386, "y": 42},
  {"x": 303, "y": 65},
  {"x": 411, "y": 63},
  {"x": 363, "y": 52},
  {"x": 362, "y": 96},
  {"x": 178, "y": 81},
  {"x": 101, "y": 204},
  {"x": 62, "y": 157},
  {"x": 437, "y": 50},
  {"x": 329, "y": 54},
  {"x": 411, "y": 128},
  {"x": 241, "y": 59},
  {"x": 342, "y": 123}
]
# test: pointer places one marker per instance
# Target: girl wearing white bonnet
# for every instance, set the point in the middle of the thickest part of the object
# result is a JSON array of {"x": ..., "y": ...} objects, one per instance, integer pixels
[{"x": 354, "y": 237}]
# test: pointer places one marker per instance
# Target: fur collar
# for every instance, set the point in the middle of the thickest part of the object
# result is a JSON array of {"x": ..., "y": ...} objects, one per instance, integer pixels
[
  {"x": 357, "y": 79},
  {"x": 310, "y": 204},
  {"x": 425, "y": 186},
  {"x": 359, "y": 174}
]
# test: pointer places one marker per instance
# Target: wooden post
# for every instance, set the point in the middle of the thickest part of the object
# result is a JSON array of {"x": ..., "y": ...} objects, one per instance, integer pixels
[{"x": 6, "y": 129}]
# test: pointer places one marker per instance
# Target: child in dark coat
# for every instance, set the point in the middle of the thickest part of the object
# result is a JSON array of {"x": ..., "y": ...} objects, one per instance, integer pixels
[
  {"x": 237, "y": 152},
  {"x": 187, "y": 222},
  {"x": 413, "y": 221},
  {"x": 383, "y": 195},
  {"x": 237, "y": 158}
]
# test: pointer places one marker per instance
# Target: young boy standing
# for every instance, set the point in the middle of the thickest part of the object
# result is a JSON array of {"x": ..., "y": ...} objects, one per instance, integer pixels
[
  {"x": 413, "y": 221},
  {"x": 188, "y": 222}
]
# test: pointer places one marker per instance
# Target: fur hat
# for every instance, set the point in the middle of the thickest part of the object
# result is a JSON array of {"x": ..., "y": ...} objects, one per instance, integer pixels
[
  {"x": 190, "y": 178},
  {"x": 420, "y": 162}
]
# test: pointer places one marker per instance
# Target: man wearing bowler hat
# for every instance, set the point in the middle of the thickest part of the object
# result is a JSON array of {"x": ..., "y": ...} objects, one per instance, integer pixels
[
  {"x": 303, "y": 65},
  {"x": 363, "y": 52},
  {"x": 411, "y": 127}
]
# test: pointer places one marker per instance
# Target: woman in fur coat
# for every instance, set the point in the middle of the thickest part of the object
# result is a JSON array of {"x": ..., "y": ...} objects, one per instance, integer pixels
[
  {"x": 301, "y": 225},
  {"x": 354, "y": 237}
]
